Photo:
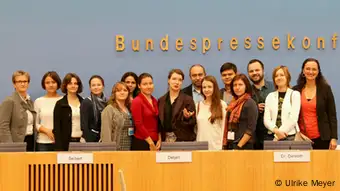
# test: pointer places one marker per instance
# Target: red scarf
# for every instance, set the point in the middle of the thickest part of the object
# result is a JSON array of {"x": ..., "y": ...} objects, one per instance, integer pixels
[{"x": 234, "y": 108}]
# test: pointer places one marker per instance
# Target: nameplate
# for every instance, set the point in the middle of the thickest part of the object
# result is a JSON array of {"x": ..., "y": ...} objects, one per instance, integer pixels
[
  {"x": 75, "y": 158},
  {"x": 173, "y": 157},
  {"x": 292, "y": 156}
]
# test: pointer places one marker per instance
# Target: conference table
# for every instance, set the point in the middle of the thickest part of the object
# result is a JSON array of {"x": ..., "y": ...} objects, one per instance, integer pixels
[{"x": 171, "y": 170}]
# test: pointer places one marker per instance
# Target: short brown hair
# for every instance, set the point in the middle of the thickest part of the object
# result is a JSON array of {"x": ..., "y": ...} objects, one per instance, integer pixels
[
  {"x": 177, "y": 71},
  {"x": 198, "y": 65},
  {"x": 246, "y": 82},
  {"x": 67, "y": 80},
  {"x": 20, "y": 73},
  {"x": 142, "y": 76},
  {"x": 285, "y": 71},
  {"x": 54, "y": 75}
]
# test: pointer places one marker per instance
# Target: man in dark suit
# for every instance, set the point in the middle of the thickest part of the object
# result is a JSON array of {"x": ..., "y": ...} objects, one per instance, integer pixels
[
  {"x": 228, "y": 72},
  {"x": 196, "y": 73}
]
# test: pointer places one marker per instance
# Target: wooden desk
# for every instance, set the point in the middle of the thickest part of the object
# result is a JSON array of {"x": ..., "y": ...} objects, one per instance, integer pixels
[{"x": 209, "y": 171}]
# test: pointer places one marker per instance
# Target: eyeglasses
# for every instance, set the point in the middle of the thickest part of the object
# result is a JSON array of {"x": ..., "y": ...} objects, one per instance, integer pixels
[{"x": 21, "y": 82}]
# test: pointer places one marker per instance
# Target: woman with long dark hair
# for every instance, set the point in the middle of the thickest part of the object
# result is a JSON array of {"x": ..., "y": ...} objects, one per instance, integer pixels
[
  {"x": 131, "y": 79},
  {"x": 318, "y": 120}
]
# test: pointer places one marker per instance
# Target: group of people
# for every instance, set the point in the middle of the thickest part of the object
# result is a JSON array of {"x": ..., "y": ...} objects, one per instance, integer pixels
[{"x": 241, "y": 115}]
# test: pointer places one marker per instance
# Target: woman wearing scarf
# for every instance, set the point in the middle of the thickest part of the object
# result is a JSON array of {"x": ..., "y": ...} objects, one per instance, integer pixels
[
  {"x": 242, "y": 115},
  {"x": 17, "y": 114},
  {"x": 91, "y": 109}
]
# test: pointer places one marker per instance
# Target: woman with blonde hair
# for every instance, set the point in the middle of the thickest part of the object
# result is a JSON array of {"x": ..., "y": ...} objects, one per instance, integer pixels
[
  {"x": 282, "y": 107},
  {"x": 117, "y": 124}
]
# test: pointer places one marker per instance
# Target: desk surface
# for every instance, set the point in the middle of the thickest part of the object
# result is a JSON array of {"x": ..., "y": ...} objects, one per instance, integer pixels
[{"x": 208, "y": 171}]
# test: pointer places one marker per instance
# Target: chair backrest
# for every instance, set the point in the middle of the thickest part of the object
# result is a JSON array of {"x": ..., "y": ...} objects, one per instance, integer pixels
[
  {"x": 287, "y": 145},
  {"x": 13, "y": 147},
  {"x": 184, "y": 146},
  {"x": 92, "y": 146}
]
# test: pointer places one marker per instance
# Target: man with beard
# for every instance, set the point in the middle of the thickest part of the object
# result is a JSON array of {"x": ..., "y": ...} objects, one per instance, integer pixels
[
  {"x": 196, "y": 73},
  {"x": 261, "y": 88},
  {"x": 228, "y": 72}
]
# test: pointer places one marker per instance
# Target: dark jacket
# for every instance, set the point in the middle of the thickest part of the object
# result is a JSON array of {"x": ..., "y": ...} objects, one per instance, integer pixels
[
  {"x": 183, "y": 128},
  {"x": 188, "y": 90},
  {"x": 62, "y": 123},
  {"x": 326, "y": 112},
  {"x": 91, "y": 129}
]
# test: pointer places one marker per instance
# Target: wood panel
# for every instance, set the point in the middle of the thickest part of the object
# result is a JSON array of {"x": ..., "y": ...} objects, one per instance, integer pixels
[{"x": 228, "y": 170}]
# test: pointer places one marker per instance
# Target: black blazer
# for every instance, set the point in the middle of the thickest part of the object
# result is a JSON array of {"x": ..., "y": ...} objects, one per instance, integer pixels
[
  {"x": 62, "y": 123},
  {"x": 183, "y": 128},
  {"x": 188, "y": 90},
  {"x": 88, "y": 123},
  {"x": 326, "y": 112}
]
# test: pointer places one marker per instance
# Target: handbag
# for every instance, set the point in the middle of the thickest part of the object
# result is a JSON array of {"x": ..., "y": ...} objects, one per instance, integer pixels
[{"x": 298, "y": 135}]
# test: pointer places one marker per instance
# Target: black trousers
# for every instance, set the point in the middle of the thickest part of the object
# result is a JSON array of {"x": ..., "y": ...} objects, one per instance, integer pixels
[
  {"x": 320, "y": 144},
  {"x": 233, "y": 146},
  {"x": 45, "y": 147},
  {"x": 140, "y": 145},
  {"x": 29, "y": 140}
]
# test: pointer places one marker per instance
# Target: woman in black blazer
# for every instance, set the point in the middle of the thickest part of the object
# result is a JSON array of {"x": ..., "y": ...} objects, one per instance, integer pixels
[
  {"x": 318, "y": 118},
  {"x": 66, "y": 117},
  {"x": 91, "y": 109}
]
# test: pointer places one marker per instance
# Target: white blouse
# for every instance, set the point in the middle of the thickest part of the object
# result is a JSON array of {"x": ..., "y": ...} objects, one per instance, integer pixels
[
  {"x": 44, "y": 107},
  {"x": 213, "y": 133},
  {"x": 76, "y": 129}
]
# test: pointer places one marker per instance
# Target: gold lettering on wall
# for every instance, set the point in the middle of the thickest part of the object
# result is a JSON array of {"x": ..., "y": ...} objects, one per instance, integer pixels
[
  {"x": 233, "y": 44},
  {"x": 219, "y": 42},
  {"x": 120, "y": 46},
  {"x": 247, "y": 43},
  {"x": 321, "y": 43},
  {"x": 193, "y": 44},
  {"x": 260, "y": 43},
  {"x": 135, "y": 45},
  {"x": 205, "y": 45},
  {"x": 179, "y": 44},
  {"x": 149, "y": 44},
  {"x": 334, "y": 40},
  {"x": 306, "y": 43},
  {"x": 290, "y": 42},
  {"x": 164, "y": 44},
  {"x": 276, "y": 43}
]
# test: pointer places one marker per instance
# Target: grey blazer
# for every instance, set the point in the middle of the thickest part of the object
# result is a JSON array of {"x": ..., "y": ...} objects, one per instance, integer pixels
[
  {"x": 13, "y": 118},
  {"x": 112, "y": 129}
]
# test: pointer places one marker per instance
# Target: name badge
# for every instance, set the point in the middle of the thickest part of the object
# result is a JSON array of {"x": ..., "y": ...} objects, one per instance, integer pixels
[
  {"x": 231, "y": 135},
  {"x": 131, "y": 131}
]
